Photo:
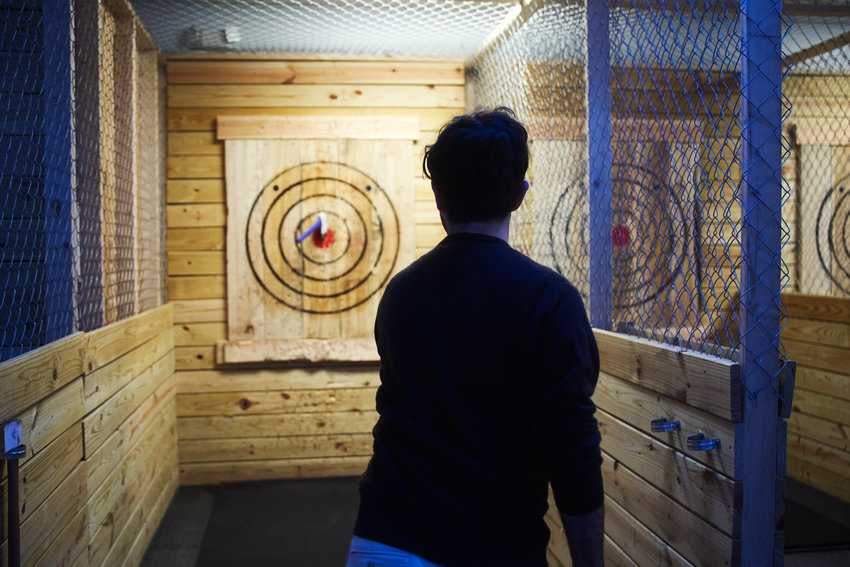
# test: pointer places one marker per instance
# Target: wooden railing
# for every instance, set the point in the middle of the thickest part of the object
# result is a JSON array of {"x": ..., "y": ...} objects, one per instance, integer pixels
[{"x": 99, "y": 422}]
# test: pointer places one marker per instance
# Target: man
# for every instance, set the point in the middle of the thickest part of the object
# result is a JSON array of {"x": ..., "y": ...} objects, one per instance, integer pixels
[{"x": 487, "y": 367}]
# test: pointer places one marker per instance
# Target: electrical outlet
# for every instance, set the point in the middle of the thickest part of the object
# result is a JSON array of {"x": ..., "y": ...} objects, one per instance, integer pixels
[{"x": 12, "y": 436}]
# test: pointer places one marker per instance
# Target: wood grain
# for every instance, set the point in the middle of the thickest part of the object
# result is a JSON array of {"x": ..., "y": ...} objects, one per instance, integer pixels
[
  {"x": 818, "y": 331},
  {"x": 199, "y": 334},
  {"x": 290, "y": 401},
  {"x": 182, "y": 263},
  {"x": 47, "y": 521},
  {"x": 310, "y": 127},
  {"x": 197, "y": 287},
  {"x": 196, "y": 214},
  {"x": 289, "y": 447},
  {"x": 195, "y": 239},
  {"x": 194, "y": 358},
  {"x": 204, "y": 119},
  {"x": 828, "y": 383},
  {"x": 199, "y": 310},
  {"x": 282, "y": 425},
  {"x": 638, "y": 406},
  {"x": 195, "y": 167},
  {"x": 349, "y": 96},
  {"x": 110, "y": 342},
  {"x": 194, "y": 191},
  {"x": 27, "y": 379},
  {"x": 194, "y": 144},
  {"x": 836, "y": 435},
  {"x": 831, "y": 480},
  {"x": 691, "y": 484},
  {"x": 304, "y": 350},
  {"x": 315, "y": 72},
  {"x": 242, "y": 471},
  {"x": 819, "y": 405},
  {"x": 637, "y": 541},
  {"x": 823, "y": 357},
  {"x": 100, "y": 423},
  {"x": 671, "y": 521},
  {"x": 271, "y": 380},
  {"x": 708, "y": 383},
  {"x": 101, "y": 384}
]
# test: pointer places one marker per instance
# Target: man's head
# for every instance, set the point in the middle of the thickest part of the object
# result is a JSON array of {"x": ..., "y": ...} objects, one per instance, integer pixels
[{"x": 477, "y": 166}]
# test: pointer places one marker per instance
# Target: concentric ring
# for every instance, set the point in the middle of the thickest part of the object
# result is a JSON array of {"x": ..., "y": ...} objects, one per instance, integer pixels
[
  {"x": 833, "y": 236},
  {"x": 648, "y": 227},
  {"x": 342, "y": 273}
]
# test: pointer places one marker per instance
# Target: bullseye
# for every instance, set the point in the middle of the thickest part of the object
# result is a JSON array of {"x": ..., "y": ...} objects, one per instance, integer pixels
[
  {"x": 323, "y": 241},
  {"x": 620, "y": 235}
]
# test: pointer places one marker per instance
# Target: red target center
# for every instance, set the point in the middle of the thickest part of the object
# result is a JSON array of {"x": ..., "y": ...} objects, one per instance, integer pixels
[
  {"x": 325, "y": 241},
  {"x": 620, "y": 235}
]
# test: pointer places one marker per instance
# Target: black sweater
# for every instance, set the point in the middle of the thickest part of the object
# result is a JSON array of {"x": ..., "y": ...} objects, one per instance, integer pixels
[{"x": 487, "y": 367}]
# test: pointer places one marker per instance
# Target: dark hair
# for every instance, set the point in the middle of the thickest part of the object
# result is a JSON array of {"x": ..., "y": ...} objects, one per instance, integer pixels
[{"x": 478, "y": 164}]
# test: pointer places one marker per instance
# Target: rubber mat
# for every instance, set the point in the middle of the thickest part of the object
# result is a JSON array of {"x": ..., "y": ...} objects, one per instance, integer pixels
[
  {"x": 815, "y": 520},
  {"x": 285, "y": 523}
]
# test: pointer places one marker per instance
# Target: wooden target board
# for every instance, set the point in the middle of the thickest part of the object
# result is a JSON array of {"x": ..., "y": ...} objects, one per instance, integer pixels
[
  {"x": 320, "y": 215},
  {"x": 653, "y": 234}
]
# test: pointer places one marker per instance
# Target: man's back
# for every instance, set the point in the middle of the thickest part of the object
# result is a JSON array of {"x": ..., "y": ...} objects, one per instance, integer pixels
[{"x": 488, "y": 364}]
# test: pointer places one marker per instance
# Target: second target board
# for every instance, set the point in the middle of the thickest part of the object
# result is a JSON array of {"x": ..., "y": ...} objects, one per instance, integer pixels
[{"x": 649, "y": 234}]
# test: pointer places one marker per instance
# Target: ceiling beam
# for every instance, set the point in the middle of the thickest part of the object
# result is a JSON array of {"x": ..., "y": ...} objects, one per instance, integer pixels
[
  {"x": 825, "y": 10},
  {"x": 819, "y": 49}
]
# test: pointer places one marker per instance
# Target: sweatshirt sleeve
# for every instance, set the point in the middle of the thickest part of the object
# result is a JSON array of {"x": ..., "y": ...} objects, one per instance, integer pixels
[{"x": 563, "y": 428}]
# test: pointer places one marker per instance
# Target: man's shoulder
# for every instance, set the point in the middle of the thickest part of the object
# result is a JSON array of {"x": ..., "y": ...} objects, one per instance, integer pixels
[{"x": 535, "y": 272}]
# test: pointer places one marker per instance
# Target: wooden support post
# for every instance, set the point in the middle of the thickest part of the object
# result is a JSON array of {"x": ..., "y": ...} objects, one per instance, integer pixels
[
  {"x": 56, "y": 122},
  {"x": 599, "y": 162},
  {"x": 88, "y": 164},
  {"x": 756, "y": 436}
]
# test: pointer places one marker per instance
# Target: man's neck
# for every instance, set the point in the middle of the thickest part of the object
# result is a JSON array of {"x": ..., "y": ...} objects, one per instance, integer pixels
[{"x": 500, "y": 228}]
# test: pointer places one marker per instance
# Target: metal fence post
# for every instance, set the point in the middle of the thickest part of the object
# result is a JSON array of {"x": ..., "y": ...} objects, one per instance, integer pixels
[
  {"x": 758, "y": 353},
  {"x": 598, "y": 91}
]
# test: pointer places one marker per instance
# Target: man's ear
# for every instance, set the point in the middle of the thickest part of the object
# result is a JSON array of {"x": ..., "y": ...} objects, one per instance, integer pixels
[
  {"x": 521, "y": 195},
  {"x": 438, "y": 197}
]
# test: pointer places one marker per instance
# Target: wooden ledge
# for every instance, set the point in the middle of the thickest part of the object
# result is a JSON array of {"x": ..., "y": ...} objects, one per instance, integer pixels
[
  {"x": 296, "y": 350},
  {"x": 317, "y": 127},
  {"x": 703, "y": 381}
]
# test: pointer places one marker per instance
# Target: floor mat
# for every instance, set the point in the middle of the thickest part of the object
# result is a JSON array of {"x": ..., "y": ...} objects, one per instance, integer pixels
[
  {"x": 285, "y": 523},
  {"x": 814, "y": 520}
]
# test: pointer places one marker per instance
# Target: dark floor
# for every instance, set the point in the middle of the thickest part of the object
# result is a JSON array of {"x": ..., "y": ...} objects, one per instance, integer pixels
[
  {"x": 308, "y": 523},
  {"x": 289, "y": 523}
]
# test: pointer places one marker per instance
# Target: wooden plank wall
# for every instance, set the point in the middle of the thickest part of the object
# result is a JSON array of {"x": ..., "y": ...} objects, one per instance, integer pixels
[
  {"x": 256, "y": 423},
  {"x": 817, "y": 337},
  {"x": 664, "y": 503},
  {"x": 99, "y": 419}
]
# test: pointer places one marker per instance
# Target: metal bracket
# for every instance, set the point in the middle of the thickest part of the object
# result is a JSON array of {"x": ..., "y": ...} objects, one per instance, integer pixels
[
  {"x": 14, "y": 454},
  {"x": 661, "y": 424},
  {"x": 700, "y": 442}
]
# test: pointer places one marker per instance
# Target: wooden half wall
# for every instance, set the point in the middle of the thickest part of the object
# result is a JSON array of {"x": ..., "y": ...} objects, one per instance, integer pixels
[
  {"x": 98, "y": 413},
  {"x": 817, "y": 337},
  {"x": 665, "y": 503},
  {"x": 249, "y": 423}
]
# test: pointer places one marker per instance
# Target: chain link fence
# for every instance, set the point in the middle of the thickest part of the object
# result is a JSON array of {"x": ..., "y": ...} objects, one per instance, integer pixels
[
  {"x": 81, "y": 227},
  {"x": 818, "y": 170},
  {"x": 678, "y": 136},
  {"x": 673, "y": 131}
]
